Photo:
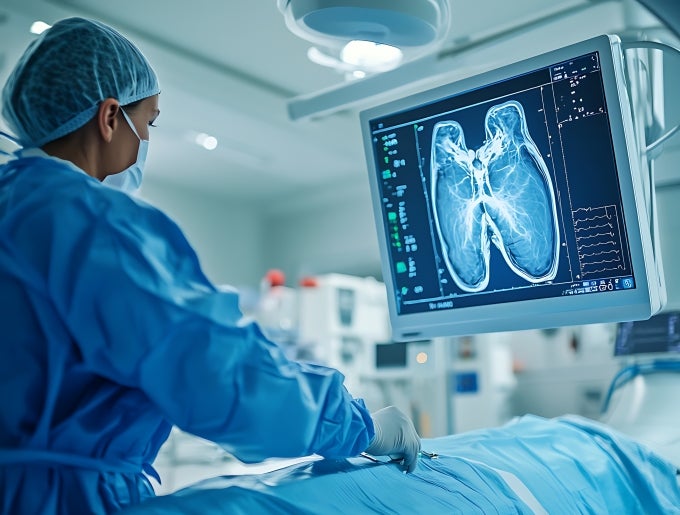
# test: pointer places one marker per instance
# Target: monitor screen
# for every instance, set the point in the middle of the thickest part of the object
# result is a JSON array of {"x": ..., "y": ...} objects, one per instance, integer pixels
[
  {"x": 659, "y": 334},
  {"x": 391, "y": 355},
  {"x": 512, "y": 200}
]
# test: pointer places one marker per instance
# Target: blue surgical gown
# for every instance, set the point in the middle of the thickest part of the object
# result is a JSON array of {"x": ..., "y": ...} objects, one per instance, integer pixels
[{"x": 111, "y": 334}]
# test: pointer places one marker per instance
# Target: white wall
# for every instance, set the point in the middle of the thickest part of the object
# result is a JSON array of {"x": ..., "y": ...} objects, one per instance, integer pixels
[
  {"x": 329, "y": 231},
  {"x": 238, "y": 241},
  {"x": 226, "y": 234}
]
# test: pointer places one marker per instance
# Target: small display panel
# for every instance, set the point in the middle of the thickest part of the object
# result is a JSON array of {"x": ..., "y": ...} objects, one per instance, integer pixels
[
  {"x": 659, "y": 334},
  {"x": 391, "y": 355}
]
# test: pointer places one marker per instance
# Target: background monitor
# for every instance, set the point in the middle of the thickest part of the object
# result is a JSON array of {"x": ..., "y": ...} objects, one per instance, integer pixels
[
  {"x": 659, "y": 334},
  {"x": 512, "y": 200}
]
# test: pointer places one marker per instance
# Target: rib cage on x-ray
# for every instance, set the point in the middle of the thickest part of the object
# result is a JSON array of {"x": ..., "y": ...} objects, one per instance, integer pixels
[{"x": 500, "y": 193}]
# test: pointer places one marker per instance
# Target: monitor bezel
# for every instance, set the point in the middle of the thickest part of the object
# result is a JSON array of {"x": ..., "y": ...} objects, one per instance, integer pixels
[{"x": 619, "y": 305}]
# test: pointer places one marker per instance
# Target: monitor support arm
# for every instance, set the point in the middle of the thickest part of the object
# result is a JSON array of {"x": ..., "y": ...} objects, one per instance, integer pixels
[{"x": 667, "y": 12}]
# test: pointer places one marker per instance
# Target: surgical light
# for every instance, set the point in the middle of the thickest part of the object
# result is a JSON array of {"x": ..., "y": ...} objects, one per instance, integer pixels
[
  {"x": 38, "y": 27},
  {"x": 358, "y": 58},
  {"x": 367, "y": 54},
  {"x": 411, "y": 28}
]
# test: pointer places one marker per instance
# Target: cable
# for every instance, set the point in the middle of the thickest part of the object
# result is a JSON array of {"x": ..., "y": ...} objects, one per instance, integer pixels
[
  {"x": 654, "y": 45},
  {"x": 627, "y": 374},
  {"x": 628, "y": 45},
  {"x": 662, "y": 139}
]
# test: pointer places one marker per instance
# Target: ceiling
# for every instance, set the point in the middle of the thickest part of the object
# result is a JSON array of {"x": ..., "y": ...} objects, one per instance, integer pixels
[{"x": 229, "y": 68}]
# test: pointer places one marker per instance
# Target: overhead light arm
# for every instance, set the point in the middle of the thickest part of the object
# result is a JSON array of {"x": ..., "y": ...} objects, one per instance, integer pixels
[{"x": 585, "y": 20}]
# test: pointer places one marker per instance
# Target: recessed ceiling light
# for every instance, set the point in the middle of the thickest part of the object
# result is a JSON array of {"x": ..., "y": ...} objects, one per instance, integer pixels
[{"x": 206, "y": 141}]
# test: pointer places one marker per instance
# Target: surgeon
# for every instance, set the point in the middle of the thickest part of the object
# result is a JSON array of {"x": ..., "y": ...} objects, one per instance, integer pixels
[{"x": 111, "y": 333}]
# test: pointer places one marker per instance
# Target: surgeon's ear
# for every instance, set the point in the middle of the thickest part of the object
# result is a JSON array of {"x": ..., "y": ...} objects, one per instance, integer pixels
[{"x": 107, "y": 118}]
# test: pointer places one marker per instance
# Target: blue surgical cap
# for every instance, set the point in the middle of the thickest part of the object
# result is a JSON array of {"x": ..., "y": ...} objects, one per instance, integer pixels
[{"x": 63, "y": 76}]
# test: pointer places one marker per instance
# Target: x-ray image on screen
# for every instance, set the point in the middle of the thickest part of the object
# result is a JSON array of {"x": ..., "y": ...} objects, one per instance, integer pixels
[{"x": 499, "y": 193}]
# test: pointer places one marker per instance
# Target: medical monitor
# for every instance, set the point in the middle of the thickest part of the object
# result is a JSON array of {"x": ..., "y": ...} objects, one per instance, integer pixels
[
  {"x": 657, "y": 335},
  {"x": 512, "y": 199}
]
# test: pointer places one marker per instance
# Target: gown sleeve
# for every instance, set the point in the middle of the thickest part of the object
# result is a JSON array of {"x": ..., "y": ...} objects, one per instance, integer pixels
[{"x": 142, "y": 313}]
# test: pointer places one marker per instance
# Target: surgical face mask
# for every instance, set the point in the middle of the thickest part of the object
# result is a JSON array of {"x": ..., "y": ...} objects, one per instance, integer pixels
[{"x": 130, "y": 179}]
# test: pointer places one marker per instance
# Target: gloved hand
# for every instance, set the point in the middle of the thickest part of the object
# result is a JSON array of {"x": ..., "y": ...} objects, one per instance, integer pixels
[{"x": 395, "y": 436}]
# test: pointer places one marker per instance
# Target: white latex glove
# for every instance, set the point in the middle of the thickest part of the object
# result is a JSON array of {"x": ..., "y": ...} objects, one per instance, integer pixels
[{"x": 395, "y": 436}]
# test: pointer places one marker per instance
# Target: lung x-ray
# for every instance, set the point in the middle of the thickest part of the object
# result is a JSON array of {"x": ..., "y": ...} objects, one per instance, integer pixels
[{"x": 499, "y": 193}]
